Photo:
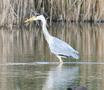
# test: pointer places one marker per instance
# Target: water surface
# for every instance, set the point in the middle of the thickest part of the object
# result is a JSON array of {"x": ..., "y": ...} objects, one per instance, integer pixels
[{"x": 27, "y": 64}]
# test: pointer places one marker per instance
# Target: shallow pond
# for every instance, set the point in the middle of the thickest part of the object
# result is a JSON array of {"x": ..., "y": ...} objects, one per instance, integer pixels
[{"x": 27, "y": 64}]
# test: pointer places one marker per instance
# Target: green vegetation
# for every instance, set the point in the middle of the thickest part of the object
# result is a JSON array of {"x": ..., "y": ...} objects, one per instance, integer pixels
[{"x": 15, "y": 11}]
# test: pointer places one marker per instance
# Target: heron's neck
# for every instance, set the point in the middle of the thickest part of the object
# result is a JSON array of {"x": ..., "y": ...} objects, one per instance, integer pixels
[{"x": 45, "y": 32}]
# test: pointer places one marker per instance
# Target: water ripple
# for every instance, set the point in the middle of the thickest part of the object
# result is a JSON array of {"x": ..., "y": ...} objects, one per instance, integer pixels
[{"x": 46, "y": 63}]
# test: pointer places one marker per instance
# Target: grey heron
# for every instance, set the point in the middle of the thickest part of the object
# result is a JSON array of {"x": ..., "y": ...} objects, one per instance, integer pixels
[{"x": 58, "y": 47}]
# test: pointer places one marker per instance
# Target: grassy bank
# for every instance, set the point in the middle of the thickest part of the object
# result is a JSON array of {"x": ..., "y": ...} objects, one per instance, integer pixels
[{"x": 15, "y": 11}]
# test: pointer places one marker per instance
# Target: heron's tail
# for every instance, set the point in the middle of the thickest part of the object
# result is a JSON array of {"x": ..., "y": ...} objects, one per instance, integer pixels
[{"x": 75, "y": 55}]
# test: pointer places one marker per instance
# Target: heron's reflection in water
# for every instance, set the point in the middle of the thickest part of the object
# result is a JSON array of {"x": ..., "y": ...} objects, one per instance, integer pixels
[{"x": 60, "y": 77}]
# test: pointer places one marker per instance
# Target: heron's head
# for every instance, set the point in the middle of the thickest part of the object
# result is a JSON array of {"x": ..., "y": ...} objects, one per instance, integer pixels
[{"x": 35, "y": 18}]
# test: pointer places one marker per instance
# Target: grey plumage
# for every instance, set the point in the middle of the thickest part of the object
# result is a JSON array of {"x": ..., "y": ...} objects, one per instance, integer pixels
[{"x": 61, "y": 48}]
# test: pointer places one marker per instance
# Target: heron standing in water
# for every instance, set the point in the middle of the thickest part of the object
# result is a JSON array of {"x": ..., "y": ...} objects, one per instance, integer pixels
[{"x": 58, "y": 47}]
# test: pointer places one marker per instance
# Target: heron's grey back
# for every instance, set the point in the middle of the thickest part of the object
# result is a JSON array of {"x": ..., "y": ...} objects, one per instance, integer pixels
[{"x": 58, "y": 46}]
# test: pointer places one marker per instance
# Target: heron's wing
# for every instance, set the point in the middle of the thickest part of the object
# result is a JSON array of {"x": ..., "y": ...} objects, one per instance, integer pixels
[{"x": 60, "y": 47}]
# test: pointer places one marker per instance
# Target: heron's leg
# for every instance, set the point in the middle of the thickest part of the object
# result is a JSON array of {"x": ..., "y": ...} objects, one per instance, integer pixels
[{"x": 60, "y": 59}]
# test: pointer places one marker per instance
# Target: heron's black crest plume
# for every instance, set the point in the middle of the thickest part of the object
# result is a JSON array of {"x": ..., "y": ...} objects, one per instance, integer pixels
[{"x": 34, "y": 13}]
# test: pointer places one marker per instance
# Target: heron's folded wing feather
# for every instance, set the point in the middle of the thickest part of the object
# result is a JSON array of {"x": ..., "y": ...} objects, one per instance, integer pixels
[{"x": 58, "y": 46}]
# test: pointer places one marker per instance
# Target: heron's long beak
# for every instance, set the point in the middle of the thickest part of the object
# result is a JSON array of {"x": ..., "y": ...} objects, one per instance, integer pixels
[{"x": 31, "y": 19}]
